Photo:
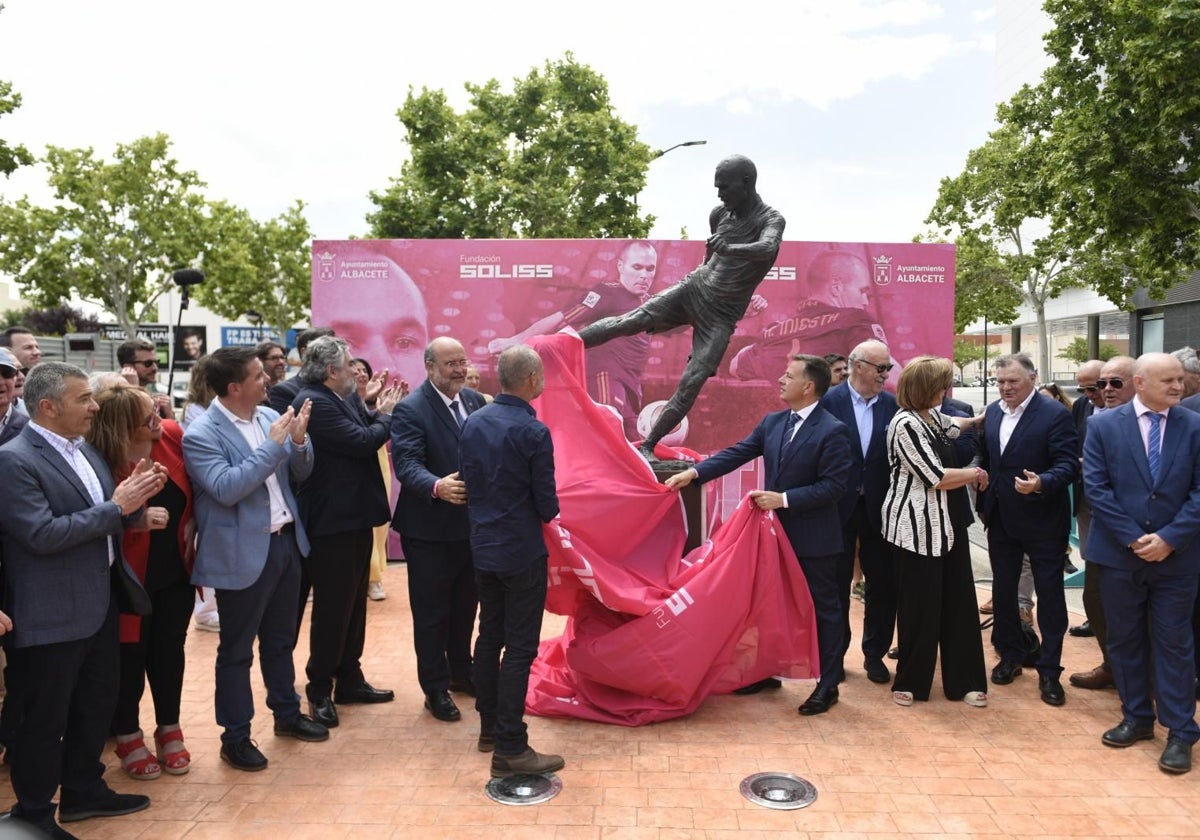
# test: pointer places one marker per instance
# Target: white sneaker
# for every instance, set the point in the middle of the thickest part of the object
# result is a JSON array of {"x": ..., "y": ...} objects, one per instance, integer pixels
[
  {"x": 210, "y": 622},
  {"x": 375, "y": 591}
]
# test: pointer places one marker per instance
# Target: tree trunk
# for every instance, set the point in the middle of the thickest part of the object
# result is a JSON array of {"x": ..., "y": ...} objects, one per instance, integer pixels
[{"x": 1045, "y": 374}]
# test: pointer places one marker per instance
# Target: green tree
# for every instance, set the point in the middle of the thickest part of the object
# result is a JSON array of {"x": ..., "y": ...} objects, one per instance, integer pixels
[
  {"x": 550, "y": 159},
  {"x": 994, "y": 206},
  {"x": 966, "y": 352},
  {"x": 260, "y": 266},
  {"x": 1077, "y": 351},
  {"x": 57, "y": 320},
  {"x": 114, "y": 234},
  {"x": 11, "y": 156},
  {"x": 1118, "y": 114}
]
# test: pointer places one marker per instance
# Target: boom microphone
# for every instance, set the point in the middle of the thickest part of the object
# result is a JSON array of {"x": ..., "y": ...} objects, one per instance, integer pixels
[{"x": 188, "y": 277}]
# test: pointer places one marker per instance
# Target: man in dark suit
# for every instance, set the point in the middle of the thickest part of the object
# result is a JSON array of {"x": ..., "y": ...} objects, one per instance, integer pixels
[
  {"x": 1031, "y": 453},
  {"x": 865, "y": 409},
  {"x": 1141, "y": 466},
  {"x": 11, "y": 420},
  {"x": 60, "y": 535},
  {"x": 1113, "y": 381},
  {"x": 280, "y": 396},
  {"x": 341, "y": 501},
  {"x": 806, "y": 453},
  {"x": 431, "y": 518},
  {"x": 249, "y": 544}
]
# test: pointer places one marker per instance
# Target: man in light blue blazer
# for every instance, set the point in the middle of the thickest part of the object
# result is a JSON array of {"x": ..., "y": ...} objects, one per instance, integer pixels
[
  {"x": 1141, "y": 471},
  {"x": 250, "y": 541}
]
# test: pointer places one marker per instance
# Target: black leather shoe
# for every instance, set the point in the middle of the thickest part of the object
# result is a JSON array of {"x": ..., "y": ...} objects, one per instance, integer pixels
[
  {"x": 112, "y": 805},
  {"x": 1004, "y": 673},
  {"x": 364, "y": 692},
  {"x": 1052, "y": 691},
  {"x": 442, "y": 707},
  {"x": 819, "y": 701},
  {"x": 877, "y": 672},
  {"x": 894, "y": 653},
  {"x": 323, "y": 712},
  {"x": 1177, "y": 757},
  {"x": 243, "y": 755},
  {"x": 755, "y": 687},
  {"x": 463, "y": 687},
  {"x": 1127, "y": 733},
  {"x": 1083, "y": 630},
  {"x": 303, "y": 728}
]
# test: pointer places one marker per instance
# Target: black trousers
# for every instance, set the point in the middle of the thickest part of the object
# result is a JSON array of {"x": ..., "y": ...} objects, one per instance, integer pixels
[
  {"x": 879, "y": 580},
  {"x": 511, "y": 607},
  {"x": 156, "y": 656},
  {"x": 339, "y": 568},
  {"x": 1093, "y": 604},
  {"x": 936, "y": 611},
  {"x": 443, "y": 600},
  {"x": 67, "y": 694}
]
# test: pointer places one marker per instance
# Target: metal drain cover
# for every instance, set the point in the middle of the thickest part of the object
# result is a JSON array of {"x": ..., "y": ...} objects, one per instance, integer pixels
[
  {"x": 781, "y": 791},
  {"x": 524, "y": 790}
]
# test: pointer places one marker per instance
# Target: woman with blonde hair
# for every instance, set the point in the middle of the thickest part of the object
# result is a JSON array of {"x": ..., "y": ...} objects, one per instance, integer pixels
[
  {"x": 125, "y": 430},
  {"x": 936, "y": 605}
]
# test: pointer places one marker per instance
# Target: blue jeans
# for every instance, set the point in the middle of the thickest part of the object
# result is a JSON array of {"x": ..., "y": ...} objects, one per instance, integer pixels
[{"x": 511, "y": 606}]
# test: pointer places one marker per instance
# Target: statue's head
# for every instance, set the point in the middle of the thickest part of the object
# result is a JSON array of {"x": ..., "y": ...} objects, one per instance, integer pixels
[{"x": 735, "y": 181}]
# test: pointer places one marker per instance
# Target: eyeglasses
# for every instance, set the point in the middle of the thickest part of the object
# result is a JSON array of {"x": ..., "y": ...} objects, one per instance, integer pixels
[
  {"x": 1087, "y": 389},
  {"x": 147, "y": 362},
  {"x": 276, "y": 358},
  {"x": 880, "y": 368},
  {"x": 1116, "y": 384}
]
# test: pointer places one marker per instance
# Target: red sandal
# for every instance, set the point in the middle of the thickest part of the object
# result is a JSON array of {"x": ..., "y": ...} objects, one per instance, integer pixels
[
  {"x": 143, "y": 769},
  {"x": 176, "y": 763}
]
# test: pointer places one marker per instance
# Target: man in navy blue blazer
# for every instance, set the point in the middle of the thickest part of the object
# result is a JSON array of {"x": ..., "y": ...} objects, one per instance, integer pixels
[
  {"x": 249, "y": 544},
  {"x": 806, "y": 453},
  {"x": 431, "y": 518},
  {"x": 341, "y": 502},
  {"x": 1030, "y": 451},
  {"x": 1141, "y": 467},
  {"x": 865, "y": 409}
]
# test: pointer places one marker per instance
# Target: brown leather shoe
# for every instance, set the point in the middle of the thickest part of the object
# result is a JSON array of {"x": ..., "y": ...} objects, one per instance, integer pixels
[
  {"x": 1099, "y": 677},
  {"x": 986, "y": 609}
]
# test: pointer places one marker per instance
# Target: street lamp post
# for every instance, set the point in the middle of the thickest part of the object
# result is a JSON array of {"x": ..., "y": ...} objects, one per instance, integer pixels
[{"x": 662, "y": 152}]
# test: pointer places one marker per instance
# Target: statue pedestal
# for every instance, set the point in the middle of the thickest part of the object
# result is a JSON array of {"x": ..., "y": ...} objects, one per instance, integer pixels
[{"x": 693, "y": 502}]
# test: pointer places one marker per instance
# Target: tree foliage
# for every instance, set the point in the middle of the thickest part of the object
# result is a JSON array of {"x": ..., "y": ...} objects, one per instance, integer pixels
[
  {"x": 995, "y": 207},
  {"x": 550, "y": 159},
  {"x": 114, "y": 234},
  {"x": 11, "y": 156},
  {"x": 1077, "y": 351},
  {"x": 56, "y": 320},
  {"x": 966, "y": 352},
  {"x": 260, "y": 266},
  {"x": 1117, "y": 115}
]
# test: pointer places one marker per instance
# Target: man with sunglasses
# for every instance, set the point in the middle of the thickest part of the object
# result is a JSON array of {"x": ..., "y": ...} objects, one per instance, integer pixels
[
  {"x": 1115, "y": 387},
  {"x": 140, "y": 357},
  {"x": 1031, "y": 453},
  {"x": 11, "y": 420},
  {"x": 1081, "y": 412},
  {"x": 866, "y": 409}
]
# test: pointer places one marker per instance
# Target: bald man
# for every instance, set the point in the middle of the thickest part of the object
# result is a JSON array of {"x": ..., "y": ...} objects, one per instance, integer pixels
[{"x": 1141, "y": 468}]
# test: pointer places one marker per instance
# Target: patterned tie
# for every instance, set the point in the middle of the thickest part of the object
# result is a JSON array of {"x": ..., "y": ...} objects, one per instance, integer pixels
[
  {"x": 796, "y": 419},
  {"x": 454, "y": 410},
  {"x": 1154, "y": 443}
]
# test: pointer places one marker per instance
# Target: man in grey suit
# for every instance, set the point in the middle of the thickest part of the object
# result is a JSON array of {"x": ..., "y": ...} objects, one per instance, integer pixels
[
  {"x": 63, "y": 576},
  {"x": 250, "y": 541}
]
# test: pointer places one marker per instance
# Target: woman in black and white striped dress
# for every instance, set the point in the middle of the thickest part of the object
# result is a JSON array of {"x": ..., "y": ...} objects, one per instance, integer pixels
[{"x": 936, "y": 604}]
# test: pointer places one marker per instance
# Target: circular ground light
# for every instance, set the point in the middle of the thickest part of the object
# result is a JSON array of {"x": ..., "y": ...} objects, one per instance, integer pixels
[
  {"x": 781, "y": 791},
  {"x": 524, "y": 790}
]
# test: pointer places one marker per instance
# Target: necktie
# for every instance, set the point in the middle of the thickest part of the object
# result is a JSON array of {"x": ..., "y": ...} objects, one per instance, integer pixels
[
  {"x": 454, "y": 410},
  {"x": 1154, "y": 443},
  {"x": 796, "y": 419}
]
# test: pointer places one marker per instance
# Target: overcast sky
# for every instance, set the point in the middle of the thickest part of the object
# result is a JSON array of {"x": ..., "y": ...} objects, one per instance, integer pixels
[{"x": 852, "y": 109}]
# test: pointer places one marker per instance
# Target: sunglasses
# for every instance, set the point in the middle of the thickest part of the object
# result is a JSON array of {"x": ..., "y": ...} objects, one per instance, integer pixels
[
  {"x": 1117, "y": 384},
  {"x": 147, "y": 363},
  {"x": 879, "y": 368},
  {"x": 1087, "y": 389}
]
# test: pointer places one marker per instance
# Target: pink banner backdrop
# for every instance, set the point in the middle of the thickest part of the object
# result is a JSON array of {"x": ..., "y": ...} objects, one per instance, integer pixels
[{"x": 388, "y": 298}]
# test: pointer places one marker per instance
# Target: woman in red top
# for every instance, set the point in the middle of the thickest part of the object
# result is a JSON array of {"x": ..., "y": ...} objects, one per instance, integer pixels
[{"x": 127, "y": 429}]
